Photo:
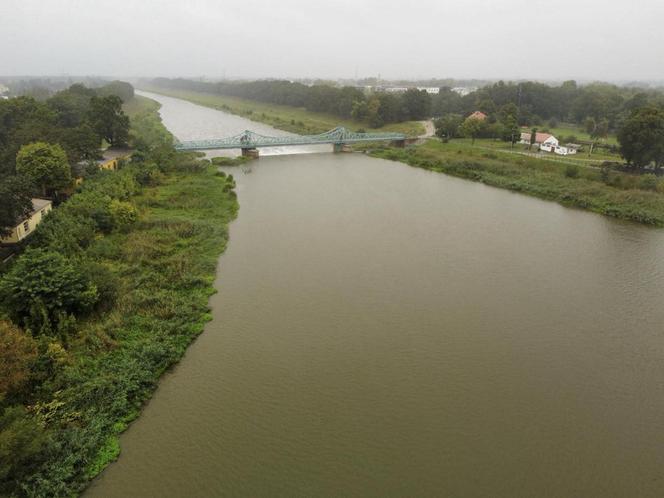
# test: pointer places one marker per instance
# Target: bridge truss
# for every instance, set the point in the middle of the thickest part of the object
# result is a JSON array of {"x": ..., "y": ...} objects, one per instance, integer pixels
[{"x": 250, "y": 140}]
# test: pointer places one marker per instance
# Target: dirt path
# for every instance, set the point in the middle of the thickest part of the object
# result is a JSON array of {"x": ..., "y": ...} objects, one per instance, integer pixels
[{"x": 429, "y": 128}]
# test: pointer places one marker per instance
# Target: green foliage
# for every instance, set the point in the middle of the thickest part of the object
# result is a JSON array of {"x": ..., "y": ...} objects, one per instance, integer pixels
[
  {"x": 230, "y": 161},
  {"x": 16, "y": 195},
  {"x": 17, "y": 353},
  {"x": 22, "y": 439},
  {"x": 120, "y": 89},
  {"x": 151, "y": 282},
  {"x": 447, "y": 127},
  {"x": 648, "y": 182},
  {"x": 572, "y": 171},
  {"x": 108, "y": 120},
  {"x": 471, "y": 128},
  {"x": 45, "y": 165},
  {"x": 43, "y": 288},
  {"x": 642, "y": 138},
  {"x": 122, "y": 213}
]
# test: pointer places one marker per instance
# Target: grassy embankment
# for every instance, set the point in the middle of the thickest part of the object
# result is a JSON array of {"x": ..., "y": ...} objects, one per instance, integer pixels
[
  {"x": 159, "y": 272},
  {"x": 293, "y": 119},
  {"x": 611, "y": 193},
  {"x": 574, "y": 181}
]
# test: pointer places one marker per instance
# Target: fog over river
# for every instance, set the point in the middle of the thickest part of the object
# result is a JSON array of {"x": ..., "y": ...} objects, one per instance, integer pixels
[{"x": 382, "y": 330}]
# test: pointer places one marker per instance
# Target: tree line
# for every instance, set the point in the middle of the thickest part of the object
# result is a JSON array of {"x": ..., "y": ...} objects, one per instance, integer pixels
[
  {"x": 376, "y": 109},
  {"x": 40, "y": 141}
]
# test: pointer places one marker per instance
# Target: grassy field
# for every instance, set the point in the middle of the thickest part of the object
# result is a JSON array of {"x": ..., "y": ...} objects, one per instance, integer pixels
[
  {"x": 582, "y": 158},
  {"x": 612, "y": 193},
  {"x": 564, "y": 130},
  {"x": 293, "y": 119}
]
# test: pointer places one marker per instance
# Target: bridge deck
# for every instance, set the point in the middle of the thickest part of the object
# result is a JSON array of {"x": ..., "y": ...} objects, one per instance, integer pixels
[{"x": 251, "y": 140}]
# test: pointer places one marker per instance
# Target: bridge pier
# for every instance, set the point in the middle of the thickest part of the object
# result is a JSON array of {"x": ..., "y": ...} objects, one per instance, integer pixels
[
  {"x": 253, "y": 153},
  {"x": 399, "y": 143},
  {"x": 341, "y": 148}
]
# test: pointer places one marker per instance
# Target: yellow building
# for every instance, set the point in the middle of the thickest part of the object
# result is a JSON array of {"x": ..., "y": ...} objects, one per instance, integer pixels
[
  {"x": 39, "y": 209},
  {"x": 111, "y": 158}
]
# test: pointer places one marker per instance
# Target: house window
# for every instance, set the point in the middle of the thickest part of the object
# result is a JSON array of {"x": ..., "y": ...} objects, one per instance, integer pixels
[{"x": 26, "y": 226}]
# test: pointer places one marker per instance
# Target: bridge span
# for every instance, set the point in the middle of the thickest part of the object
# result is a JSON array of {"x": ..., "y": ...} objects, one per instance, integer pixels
[{"x": 249, "y": 142}]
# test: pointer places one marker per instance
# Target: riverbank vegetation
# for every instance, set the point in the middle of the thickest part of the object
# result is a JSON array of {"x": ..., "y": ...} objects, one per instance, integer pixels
[
  {"x": 110, "y": 291},
  {"x": 602, "y": 190},
  {"x": 289, "y": 117}
]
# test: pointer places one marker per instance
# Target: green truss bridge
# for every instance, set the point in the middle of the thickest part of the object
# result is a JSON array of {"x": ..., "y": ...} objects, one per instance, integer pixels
[{"x": 249, "y": 142}]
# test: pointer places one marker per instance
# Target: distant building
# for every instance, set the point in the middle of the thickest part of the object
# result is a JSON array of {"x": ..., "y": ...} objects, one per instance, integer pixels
[
  {"x": 541, "y": 139},
  {"x": 40, "y": 207},
  {"x": 432, "y": 90},
  {"x": 464, "y": 90},
  {"x": 479, "y": 115},
  {"x": 395, "y": 89}
]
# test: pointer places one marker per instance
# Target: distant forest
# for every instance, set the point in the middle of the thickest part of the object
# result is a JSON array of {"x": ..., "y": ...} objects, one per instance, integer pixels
[{"x": 536, "y": 103}]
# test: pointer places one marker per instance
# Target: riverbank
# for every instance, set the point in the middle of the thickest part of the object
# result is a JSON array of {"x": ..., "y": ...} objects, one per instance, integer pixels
[
  {"x": 152, "y": 274},
  {"x": 292, "y": 119},
  {"x": 610, "y": 193}
]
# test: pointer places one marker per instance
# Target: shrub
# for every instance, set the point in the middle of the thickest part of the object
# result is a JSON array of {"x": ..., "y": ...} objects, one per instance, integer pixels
[
  {"x": 122, "y": 214},
  {"x": 21, "y": 441},
  {"x": 43, "y": 288},
  {"x": 17, "y": 352},
  {"x": 572, "y": 171},
  {"x": 648, "y": 182}
]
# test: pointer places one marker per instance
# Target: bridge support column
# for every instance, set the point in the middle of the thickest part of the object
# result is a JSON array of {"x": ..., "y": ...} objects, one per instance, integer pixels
[
  {"x": 399, "y": 143},
  {"x": 253, "y": 153},
  {"x": 341, "y": 148}
]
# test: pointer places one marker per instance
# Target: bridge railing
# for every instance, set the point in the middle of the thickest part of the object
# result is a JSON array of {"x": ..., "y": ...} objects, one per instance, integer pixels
[{"x": 250, "y": 140}]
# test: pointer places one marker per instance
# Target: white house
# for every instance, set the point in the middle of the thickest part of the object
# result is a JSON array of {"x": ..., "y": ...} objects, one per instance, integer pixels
[
  {"x": 40, "y": 207},
  {"x": 545, "y": 141}
]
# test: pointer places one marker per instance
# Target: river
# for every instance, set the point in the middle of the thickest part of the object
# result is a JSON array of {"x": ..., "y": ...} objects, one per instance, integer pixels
[{"x": 382, "y": 330}]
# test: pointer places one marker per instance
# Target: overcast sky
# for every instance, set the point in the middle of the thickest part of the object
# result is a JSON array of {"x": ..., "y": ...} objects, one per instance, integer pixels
[{"x": 552, "y": 39}]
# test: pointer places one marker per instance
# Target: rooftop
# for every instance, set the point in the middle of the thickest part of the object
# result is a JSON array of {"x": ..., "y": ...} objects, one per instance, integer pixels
[{"x": 38, "y": 205}]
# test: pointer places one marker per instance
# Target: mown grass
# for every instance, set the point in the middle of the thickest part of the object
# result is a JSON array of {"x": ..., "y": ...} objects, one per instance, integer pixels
[
  {"x": 581, "y": 159},
  {"x": 293, "y": 119},
  {"x": 614, "y": 195}
]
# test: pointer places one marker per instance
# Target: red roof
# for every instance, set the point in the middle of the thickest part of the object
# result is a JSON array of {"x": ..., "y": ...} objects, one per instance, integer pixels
[
  {"x": 478, "y": 115},
  {"x": 540, "y": 138}
]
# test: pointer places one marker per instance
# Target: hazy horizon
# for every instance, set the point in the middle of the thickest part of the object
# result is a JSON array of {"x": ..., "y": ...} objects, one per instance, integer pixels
[{"x": 478, "y": 39}]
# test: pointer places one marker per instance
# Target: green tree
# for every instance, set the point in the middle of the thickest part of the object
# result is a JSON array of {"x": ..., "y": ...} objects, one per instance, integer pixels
[
  {"x": 533, "y": 138},
  {"x": 373, "y": 113},
  {"x": 42, "y": 289},
  {"x": 16, "y": 196},
  {"x": 108, "y": 120},
  {"x": 45, "y": 165},
  {"x": 122, "y": 89},
  {"x": 641, "y": 138},
  {"x": 416, "y": 104},
  {"x": 471, "y": 128},
  {"x": 447, "y": 127}
]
